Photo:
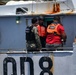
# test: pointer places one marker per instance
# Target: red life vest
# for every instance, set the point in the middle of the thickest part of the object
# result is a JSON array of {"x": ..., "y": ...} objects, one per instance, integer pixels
[
  {"x": 52, "y": 28},
  {"x": 41, "y": 30}
]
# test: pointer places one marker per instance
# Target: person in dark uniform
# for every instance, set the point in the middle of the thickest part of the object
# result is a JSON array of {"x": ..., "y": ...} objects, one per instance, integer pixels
[{"x": 32, "y": 36}]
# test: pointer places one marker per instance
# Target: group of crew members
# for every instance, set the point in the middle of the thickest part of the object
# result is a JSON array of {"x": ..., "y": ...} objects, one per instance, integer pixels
[{"x": 41, "y": 37}]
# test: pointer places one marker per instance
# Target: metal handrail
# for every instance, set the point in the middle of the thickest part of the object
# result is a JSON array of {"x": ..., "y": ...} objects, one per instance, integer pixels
[{"x": 44, "y": 50}]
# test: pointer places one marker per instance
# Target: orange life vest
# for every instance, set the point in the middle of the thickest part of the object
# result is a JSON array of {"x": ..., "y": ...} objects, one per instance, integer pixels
[
  {"x": 52, "y": 28},
  {"x": 41, "y": 30}
]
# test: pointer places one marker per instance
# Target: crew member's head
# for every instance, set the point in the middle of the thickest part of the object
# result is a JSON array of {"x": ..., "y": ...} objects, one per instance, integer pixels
[
  {"x": 35, "y": 21},
  {"x": 41, "y": 20},
  {"x": 56, "y": 19}
]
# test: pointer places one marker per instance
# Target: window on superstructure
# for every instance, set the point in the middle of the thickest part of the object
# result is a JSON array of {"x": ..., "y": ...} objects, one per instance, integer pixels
[{"x": 21, "y": 10}]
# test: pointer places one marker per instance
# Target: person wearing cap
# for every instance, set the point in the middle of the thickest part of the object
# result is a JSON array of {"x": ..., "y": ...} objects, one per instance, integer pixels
[
  {"x": 55, "y": 34},
  {"x": 42, "y": 31}
]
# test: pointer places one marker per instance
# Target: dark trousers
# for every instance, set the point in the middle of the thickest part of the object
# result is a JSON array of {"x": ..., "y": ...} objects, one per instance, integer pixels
[
  {"x": 43, "y": 41},
  {"x": 52, "y": 47}
]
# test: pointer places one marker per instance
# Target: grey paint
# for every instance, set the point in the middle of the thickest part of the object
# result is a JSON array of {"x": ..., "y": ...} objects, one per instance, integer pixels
[
  {"x": 69, "y": 24},
  {"x": 12, "y": 34},
  {"x": 63, "y": 63}
]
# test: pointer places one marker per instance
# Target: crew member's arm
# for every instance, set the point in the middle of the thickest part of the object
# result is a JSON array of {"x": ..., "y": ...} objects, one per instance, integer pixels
[
  {"x": 37, "y": 37},
  {"x": 63, "y": 34}
]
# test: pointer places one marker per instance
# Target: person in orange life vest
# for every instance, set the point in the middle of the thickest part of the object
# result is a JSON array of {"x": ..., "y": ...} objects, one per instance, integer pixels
[
  {"x": 42, "y": 31},
  {"x": 55, "y": 34}
]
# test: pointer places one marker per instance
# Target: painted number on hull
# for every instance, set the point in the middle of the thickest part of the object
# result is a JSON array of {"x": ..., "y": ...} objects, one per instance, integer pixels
[{"x": 30, "y": 61}]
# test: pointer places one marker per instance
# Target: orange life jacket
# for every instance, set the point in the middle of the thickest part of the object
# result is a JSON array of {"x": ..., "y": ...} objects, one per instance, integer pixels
[
  {"x": 52, "y": 28},
  {"x": 41, "y": 30}
]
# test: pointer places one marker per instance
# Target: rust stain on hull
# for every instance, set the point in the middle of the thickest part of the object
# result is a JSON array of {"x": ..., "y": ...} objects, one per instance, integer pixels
[
  {"x": 55, "y": 9},
  {"x": 52, "y": 57}
]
